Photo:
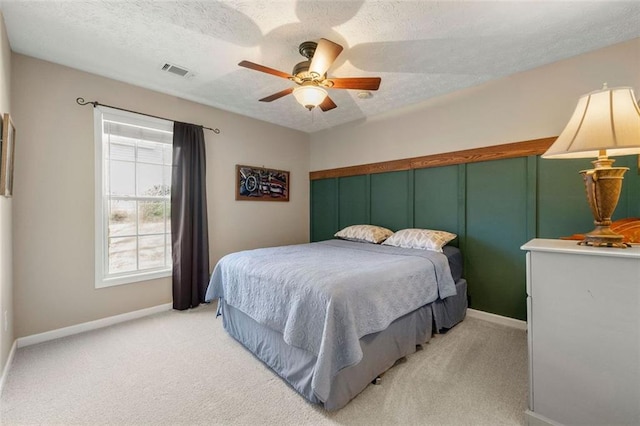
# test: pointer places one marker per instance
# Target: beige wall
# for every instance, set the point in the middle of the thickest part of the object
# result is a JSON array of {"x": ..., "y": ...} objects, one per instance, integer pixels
[
  {"x": 528, "y": 105},
  {"x": 6, "y": 274},
  {"x": 54, "y": 194}
]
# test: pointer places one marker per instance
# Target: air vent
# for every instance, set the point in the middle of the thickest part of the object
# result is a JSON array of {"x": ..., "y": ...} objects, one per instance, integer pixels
[{"x": 174, "y": 69}]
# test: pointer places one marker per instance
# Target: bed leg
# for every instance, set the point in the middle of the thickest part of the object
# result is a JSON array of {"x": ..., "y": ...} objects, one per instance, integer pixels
[{"x": 376, "y": 381}]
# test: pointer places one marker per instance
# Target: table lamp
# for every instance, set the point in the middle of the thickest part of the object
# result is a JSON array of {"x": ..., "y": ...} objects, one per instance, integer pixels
[{"x": 605, "y": 122}]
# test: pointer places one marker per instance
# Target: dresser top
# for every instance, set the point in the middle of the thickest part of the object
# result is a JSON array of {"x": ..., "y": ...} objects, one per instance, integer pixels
[{"x": 572, "y": 247}]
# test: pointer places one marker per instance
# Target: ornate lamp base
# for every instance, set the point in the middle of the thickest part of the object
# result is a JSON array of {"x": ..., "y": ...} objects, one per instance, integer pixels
[
  {"x": 603, "y": 185},
  {"x": 603, "y": 236}
]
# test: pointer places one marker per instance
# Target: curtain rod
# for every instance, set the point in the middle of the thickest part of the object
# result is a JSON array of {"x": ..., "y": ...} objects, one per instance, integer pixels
[{"x": 81, "y": 101}]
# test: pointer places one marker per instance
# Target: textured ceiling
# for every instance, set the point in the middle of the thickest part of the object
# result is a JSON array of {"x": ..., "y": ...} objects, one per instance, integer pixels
[{"x": 421, "y": 49}]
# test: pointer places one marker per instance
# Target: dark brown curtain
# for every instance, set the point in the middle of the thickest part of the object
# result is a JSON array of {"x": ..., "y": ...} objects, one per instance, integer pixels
[{"x": 189, "y": 230}]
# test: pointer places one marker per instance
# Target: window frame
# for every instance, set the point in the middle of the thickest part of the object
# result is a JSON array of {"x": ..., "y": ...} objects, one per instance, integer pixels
[{"x": 102, "y": 277}]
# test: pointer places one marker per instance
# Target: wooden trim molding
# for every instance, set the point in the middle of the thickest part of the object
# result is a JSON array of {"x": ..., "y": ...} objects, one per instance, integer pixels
[{"x": 496, "y": 152}]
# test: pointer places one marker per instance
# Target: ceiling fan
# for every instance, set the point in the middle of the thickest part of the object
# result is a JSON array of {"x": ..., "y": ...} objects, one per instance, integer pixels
[{"x": 311, "y": 76}]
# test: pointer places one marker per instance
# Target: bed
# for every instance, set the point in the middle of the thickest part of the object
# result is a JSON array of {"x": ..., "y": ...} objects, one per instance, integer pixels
[{"x": 331, "y": 316}]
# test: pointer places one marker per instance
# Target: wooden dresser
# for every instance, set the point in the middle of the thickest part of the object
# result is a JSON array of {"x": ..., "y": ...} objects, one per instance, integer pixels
[{"x": 583, "y": 315}]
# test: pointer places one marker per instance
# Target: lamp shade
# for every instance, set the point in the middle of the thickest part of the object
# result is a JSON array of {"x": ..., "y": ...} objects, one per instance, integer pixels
[
  {"x": 309, "y": 96},
  {"x": 607, "y": 119}
]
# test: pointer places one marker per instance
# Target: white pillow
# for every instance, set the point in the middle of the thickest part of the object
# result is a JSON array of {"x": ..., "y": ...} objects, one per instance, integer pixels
[
  {"x": 424, "y": 239},
  {"x": 364, "y": 233}
]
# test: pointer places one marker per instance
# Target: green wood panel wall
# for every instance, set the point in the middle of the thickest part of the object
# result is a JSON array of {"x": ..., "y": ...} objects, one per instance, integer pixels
[
  {"x": 354, "y": 200},
  {"x": 324, "y": 209},
  {"x": 436, "y": 198},
  {"x": 562, "y": 203},
  {"x": 496, "y": 228},
  {"x": 392, "y": 199},
  {"x": 629, "y": 204},
  {"x": 493, "y": 206},
  {"x": 563, "y": 209}
]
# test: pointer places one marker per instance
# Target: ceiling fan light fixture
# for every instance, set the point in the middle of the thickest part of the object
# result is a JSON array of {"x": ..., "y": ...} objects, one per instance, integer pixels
[
  {"x": 309, "y": 96},
  {"x": 311, "y": 76}
]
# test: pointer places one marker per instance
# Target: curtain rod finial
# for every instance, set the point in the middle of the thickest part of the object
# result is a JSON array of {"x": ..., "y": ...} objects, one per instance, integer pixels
[{"x": 81, "y": 101}]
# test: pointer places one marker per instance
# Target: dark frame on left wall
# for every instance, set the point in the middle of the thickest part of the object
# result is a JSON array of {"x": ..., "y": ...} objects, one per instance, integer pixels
[
  {"x": 261, "y": 184},
  {"x": 8, "y": 141}
]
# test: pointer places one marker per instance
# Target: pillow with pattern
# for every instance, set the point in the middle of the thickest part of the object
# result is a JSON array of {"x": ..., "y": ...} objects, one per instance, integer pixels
[
  {"x": 424, "y": 239},
  {"x": 364, "y": 233}
]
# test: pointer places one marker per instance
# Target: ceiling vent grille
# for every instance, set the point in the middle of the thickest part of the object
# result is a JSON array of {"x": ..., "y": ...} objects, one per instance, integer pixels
[{"x": 174, "y": 69}]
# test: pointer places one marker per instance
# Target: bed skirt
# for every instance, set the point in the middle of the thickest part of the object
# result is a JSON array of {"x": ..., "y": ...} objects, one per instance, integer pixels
[
  {"x": 380, "y": 350},
  {"x": 452, "y": 310}
]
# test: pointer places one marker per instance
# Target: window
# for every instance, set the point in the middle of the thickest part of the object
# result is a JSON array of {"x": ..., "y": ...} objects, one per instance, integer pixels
[{"x": 133, "y": 197}]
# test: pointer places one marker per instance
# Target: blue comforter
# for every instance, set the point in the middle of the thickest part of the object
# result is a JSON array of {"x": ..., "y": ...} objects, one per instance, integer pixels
[{"x": 323, "y": 297}]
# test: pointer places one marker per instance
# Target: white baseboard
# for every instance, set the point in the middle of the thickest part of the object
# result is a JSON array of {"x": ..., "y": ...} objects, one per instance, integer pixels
[
  {"x": 91, "y": 325},
  {"x": 7, "y": 366},
  {"x": 534, "y": 419},
  {"x": 498, "y": 319}
]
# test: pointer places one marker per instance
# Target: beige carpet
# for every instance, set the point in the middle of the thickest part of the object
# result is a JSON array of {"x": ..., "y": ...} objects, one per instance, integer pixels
[{"x": 182, "y": 368}]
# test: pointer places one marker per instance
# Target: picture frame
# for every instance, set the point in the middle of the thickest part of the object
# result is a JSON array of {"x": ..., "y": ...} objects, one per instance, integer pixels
[
  {"x": 7, "y": 151},
  {"x": 261, "y": 184}
]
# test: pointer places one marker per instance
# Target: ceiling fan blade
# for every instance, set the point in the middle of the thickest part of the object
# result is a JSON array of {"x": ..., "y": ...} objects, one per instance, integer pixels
[
  {"x": 327, "y": 104},
  {"x": 326, "y": 52},
  {"x": 359, "y": 83},
  {"x": 262, "y": 68},
  {"x": 278, "y": 95}
]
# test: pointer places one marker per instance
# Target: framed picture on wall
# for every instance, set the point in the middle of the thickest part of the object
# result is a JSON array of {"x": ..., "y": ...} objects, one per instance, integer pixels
[
  {"x": 260, "y": 184},
  {"x": 6, "y": 156}
]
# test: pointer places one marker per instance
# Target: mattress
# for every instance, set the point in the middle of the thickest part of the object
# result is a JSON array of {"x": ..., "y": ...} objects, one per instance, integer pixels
[{"x": 456, "y": 262}]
